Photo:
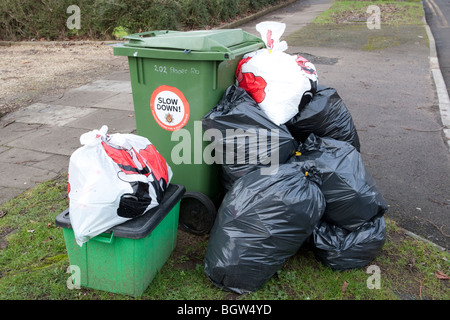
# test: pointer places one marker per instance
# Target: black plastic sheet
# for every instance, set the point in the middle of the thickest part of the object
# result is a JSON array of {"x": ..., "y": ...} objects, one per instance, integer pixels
[
  {"x": 351, "y": 194},
  {"x": 326, "y": 115},
  {"x": 341, "y": 249},
  {"x": 248, "y": 139},
  {"x": 263, "y": 220}
]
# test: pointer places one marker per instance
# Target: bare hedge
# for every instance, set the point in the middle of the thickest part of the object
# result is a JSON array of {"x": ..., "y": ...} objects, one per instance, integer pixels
[{"x": 100, "y": 19}]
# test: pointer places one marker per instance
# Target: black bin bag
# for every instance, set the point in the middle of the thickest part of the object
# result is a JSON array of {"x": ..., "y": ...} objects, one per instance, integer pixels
[
  {"x": 326, "y": 115},
  {"x": 243, "y": 136},
  {"x": 341, "y": 249},
  {"x": 263, "y": 220},
  {"x": 351, "y": 194}
]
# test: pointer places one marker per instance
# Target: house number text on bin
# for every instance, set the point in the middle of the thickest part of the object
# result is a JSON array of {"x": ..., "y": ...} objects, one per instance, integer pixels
[{"x": 170, "y": 108}]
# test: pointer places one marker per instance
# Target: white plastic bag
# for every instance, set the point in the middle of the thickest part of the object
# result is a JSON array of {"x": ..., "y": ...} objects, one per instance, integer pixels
[
  {"x": 113, "y": 178},
  {"x": 271, "y": 33},
  {"x": 279, "y": 82}
]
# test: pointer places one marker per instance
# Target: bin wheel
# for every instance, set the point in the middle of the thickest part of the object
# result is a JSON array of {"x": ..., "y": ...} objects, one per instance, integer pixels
[{"x": 197, "y": 213}]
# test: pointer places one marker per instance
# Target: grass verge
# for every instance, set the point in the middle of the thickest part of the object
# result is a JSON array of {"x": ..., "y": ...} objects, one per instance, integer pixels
[
  {"x": 34, "y": 262},
  {"x": 391, "y": 12}
]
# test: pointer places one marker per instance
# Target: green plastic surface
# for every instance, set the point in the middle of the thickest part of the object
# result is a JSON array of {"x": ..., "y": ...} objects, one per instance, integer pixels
[
  {"x": 123, "y": 265},
  {"x": 201, "y": 76},
  {"x": 218, "y": 45}
]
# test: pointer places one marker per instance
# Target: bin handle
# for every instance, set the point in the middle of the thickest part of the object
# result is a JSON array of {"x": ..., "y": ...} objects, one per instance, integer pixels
[
  {"x": 108, "y": 239},
  {"x": 142, "y": 35}
]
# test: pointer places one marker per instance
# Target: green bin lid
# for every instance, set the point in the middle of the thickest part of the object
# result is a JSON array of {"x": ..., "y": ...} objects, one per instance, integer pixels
[{"x": 221, "y": 44}]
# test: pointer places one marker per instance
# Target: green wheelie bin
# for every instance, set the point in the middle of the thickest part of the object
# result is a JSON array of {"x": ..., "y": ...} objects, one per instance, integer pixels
[{"x": 176, "y": 78}]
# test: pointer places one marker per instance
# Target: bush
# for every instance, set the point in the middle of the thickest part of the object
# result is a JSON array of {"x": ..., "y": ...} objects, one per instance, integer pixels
[
  {"x": 21, "y": 19},
  {"x": 48, "y": 19}
]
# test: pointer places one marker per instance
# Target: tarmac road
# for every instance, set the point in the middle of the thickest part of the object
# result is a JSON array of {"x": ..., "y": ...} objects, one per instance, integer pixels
[
  {"x": 391, "y": 95},
  {"x": 437, "y": 14}
]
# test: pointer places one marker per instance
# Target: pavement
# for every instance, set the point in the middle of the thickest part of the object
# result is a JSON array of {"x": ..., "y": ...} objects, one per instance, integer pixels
[{"x": 390, "y": 90}]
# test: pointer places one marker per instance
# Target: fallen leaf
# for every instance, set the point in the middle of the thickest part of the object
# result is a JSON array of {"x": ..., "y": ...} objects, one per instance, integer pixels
[
  {"x": 411, "y": 264},
  {"x": 441, "y": 276},
  {"x": 50, "y": 238},
  {"x": 344, "y": 287}
]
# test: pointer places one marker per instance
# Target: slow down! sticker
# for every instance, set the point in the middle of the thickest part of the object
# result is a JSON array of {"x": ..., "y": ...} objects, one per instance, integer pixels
[{"x": 169, "y": 108}]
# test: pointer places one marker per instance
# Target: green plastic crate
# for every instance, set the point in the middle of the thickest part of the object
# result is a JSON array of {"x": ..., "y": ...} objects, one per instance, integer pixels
[{"x": 126, "y": 258}]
